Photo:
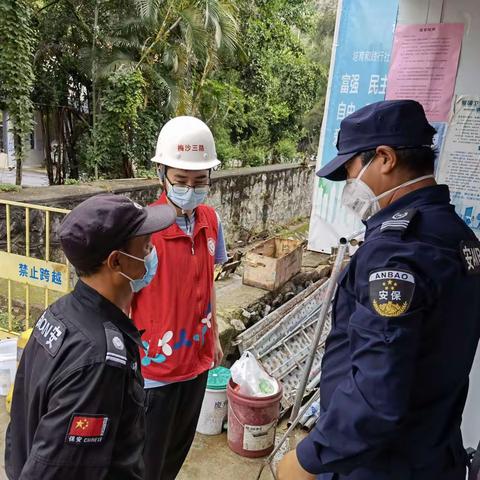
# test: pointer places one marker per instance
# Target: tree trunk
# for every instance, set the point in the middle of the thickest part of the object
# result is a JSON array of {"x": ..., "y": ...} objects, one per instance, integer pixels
[
  {"x": 58, "y": 154},
  {"x": 127, "y": 162},
  {"x": 71, "y": 139},
  {"x": 19, "y": 150},
  {"x": 18, "y": 176},
  {"x": 61, "y": 148},
  {"x": 47, "y": 147}
]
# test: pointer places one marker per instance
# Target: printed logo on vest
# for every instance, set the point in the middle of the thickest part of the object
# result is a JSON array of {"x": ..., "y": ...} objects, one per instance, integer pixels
[{"x": 211, "y": 246}]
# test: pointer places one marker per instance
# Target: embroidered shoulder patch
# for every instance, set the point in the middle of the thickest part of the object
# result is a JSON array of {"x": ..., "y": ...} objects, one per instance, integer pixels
[
  {"x": 87, "y": 429},
  {"x": 399, "y": 221},
  {"x": 116, "y": 355},
  {"x": 49, "y": 332},
  {"x": 391, "y": 292},
  {"x": 470, "y": 253}
]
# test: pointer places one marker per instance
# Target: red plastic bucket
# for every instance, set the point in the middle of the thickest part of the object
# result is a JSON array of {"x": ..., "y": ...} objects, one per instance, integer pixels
[{"x": 252, "y": 422}]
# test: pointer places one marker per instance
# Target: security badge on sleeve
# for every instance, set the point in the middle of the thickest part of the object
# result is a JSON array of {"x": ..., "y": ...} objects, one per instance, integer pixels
[
  {"x": 49, "y": 332},
  {"x": 87, "y": 429},
  {"x": 391, "y": 292},
  {"x": 470, "y": 253}
]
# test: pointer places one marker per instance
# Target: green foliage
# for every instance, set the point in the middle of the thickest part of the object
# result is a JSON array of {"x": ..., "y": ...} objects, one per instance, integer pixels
[
  {"x": 254, "y": 156},
  {"x": 150, "y": 173},
  {"x": 16, "y": 75},
  {"x": 18, "y": 324},
  {"x": 7, "y": 187},
  {"x": 285, "y": 150},
  {"x": 319, "y": 49},
  {"x": 273, "y": 93},
  {"x": 254, "y": 70},
  {"x": 72, "y": 181},
  {"x": 112, "y": 145}
]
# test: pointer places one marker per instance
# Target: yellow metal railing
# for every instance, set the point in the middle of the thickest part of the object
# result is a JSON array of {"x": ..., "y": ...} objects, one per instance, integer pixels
[{"x": 39, "y": 273}]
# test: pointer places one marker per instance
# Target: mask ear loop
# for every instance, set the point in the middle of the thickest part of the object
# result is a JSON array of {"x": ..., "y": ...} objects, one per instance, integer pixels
[
  {"x": 132, "y": 256},
  {"x": 363, "y": 170},
  {"x": 406, "y": 184},
  {"x": 161, "y": 172},
  {"x": 135, "y": 258}
]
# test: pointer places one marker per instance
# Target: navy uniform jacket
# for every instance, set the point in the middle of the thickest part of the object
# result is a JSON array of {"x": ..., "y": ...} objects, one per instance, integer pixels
[
  {"x": 405, "y": 328},
  {"x": 77, "y": 410}
]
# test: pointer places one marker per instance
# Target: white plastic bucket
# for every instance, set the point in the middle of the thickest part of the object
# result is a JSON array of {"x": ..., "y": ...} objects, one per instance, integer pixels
[
  {"x": 213, "y": 413},
  {"x": 8, "y": 364},
  {"x": 8, "y": 346},
  {"x": 215, "y": 405}
]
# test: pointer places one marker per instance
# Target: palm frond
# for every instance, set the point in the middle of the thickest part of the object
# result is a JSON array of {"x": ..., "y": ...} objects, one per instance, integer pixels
[
  {"x": 148, "y": 8},
  {"x": 125, "y": 43},
  {"x": 118, "y": 60},
  {"x": 161, "y": 81},
  {"x": 230, "y": 32},
  {"x": 183, "y": 105},
  {"x": 220, "y": 16},
  {"x": 193, "y": 32}
]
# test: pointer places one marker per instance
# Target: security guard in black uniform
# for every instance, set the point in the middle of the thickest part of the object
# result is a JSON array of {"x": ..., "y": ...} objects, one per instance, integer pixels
[
  {"x": 406, "y": 316},
  {"x": 77, "y": 410}
]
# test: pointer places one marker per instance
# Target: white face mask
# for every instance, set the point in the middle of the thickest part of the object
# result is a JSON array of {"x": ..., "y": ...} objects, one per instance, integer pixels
[{"x": 358, "y": 197}]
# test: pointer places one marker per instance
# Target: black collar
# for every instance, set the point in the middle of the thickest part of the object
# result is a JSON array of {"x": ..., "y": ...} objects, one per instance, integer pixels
[{"x": 88, "y": 296}]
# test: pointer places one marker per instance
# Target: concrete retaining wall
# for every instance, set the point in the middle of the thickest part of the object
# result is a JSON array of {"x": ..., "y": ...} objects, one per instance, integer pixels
[{"x": 249, "y": 201}]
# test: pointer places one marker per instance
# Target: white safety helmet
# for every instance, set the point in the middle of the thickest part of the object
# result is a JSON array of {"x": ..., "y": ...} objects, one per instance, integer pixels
[{"x": 186, "y": 143}]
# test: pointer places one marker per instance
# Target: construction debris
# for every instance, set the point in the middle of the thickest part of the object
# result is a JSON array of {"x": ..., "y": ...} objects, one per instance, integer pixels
[
  {"x": 281, "y": 341},
  {"x": 273, "y": 263}
]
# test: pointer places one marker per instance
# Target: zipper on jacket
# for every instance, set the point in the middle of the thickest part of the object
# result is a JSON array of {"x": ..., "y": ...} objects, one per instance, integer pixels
[{"x": 189, "y": 231}]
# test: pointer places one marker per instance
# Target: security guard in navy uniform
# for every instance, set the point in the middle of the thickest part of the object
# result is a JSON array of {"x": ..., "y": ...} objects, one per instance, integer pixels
[
  {"x": 77, "y": 410},
  {"x": 406, "y": 315}
]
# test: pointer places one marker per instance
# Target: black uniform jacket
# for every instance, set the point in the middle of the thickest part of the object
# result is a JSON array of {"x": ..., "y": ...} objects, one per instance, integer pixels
[{"x": 77, "y": 410}]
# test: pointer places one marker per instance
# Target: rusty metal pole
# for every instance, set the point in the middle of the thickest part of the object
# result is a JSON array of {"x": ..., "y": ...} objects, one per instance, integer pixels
[
  {"x": 290, "y": 429},
  {"x": 337, "y": 267}
]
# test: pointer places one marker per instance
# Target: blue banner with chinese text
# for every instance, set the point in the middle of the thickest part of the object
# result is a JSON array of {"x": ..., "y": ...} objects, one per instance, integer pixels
[
  {"x": 364, "y": 39},
  {"x": 364, "y": 45}
]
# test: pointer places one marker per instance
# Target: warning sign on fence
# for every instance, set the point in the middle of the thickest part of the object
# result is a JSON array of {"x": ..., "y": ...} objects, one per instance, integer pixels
[{"x": 35, "y": 272}]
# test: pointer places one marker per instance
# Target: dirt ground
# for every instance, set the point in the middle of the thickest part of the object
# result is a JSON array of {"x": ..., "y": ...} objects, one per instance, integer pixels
[{"x": 210, "y": 458}]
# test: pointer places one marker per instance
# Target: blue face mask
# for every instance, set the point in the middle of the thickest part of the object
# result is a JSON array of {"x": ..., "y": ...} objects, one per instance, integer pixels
[
  {"x": 185, "y": 198},
  {"x": 151, "y": 264}
]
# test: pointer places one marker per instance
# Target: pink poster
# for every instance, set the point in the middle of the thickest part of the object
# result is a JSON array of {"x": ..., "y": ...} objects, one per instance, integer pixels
[{"x": 424, "y": 66}]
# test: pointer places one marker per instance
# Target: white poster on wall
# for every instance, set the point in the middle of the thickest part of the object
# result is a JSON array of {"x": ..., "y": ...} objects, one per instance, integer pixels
[
  {"x": 424, "y": 66},
  {"x": 459, "y": 165}
]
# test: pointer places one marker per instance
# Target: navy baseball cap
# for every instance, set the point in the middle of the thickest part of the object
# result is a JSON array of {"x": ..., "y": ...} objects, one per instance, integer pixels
[
  {"x": 395, "y": 123},
  {"x": 104, "y": 223}
]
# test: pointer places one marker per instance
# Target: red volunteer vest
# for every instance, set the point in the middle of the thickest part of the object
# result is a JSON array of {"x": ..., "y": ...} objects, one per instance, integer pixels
[{"x": 175, "y": 309}]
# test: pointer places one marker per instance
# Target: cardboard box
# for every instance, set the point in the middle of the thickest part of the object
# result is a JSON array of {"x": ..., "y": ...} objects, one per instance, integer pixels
[{"x": 273, "y": 263}]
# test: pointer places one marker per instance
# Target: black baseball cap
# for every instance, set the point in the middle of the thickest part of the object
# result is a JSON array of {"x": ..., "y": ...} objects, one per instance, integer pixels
[
  {"x": 104, "y": 223},
  {"x": 395, "y": 123}
]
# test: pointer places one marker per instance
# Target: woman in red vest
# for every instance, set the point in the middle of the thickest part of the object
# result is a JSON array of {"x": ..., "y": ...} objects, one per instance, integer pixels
[{"x": 177, "y": 310}]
